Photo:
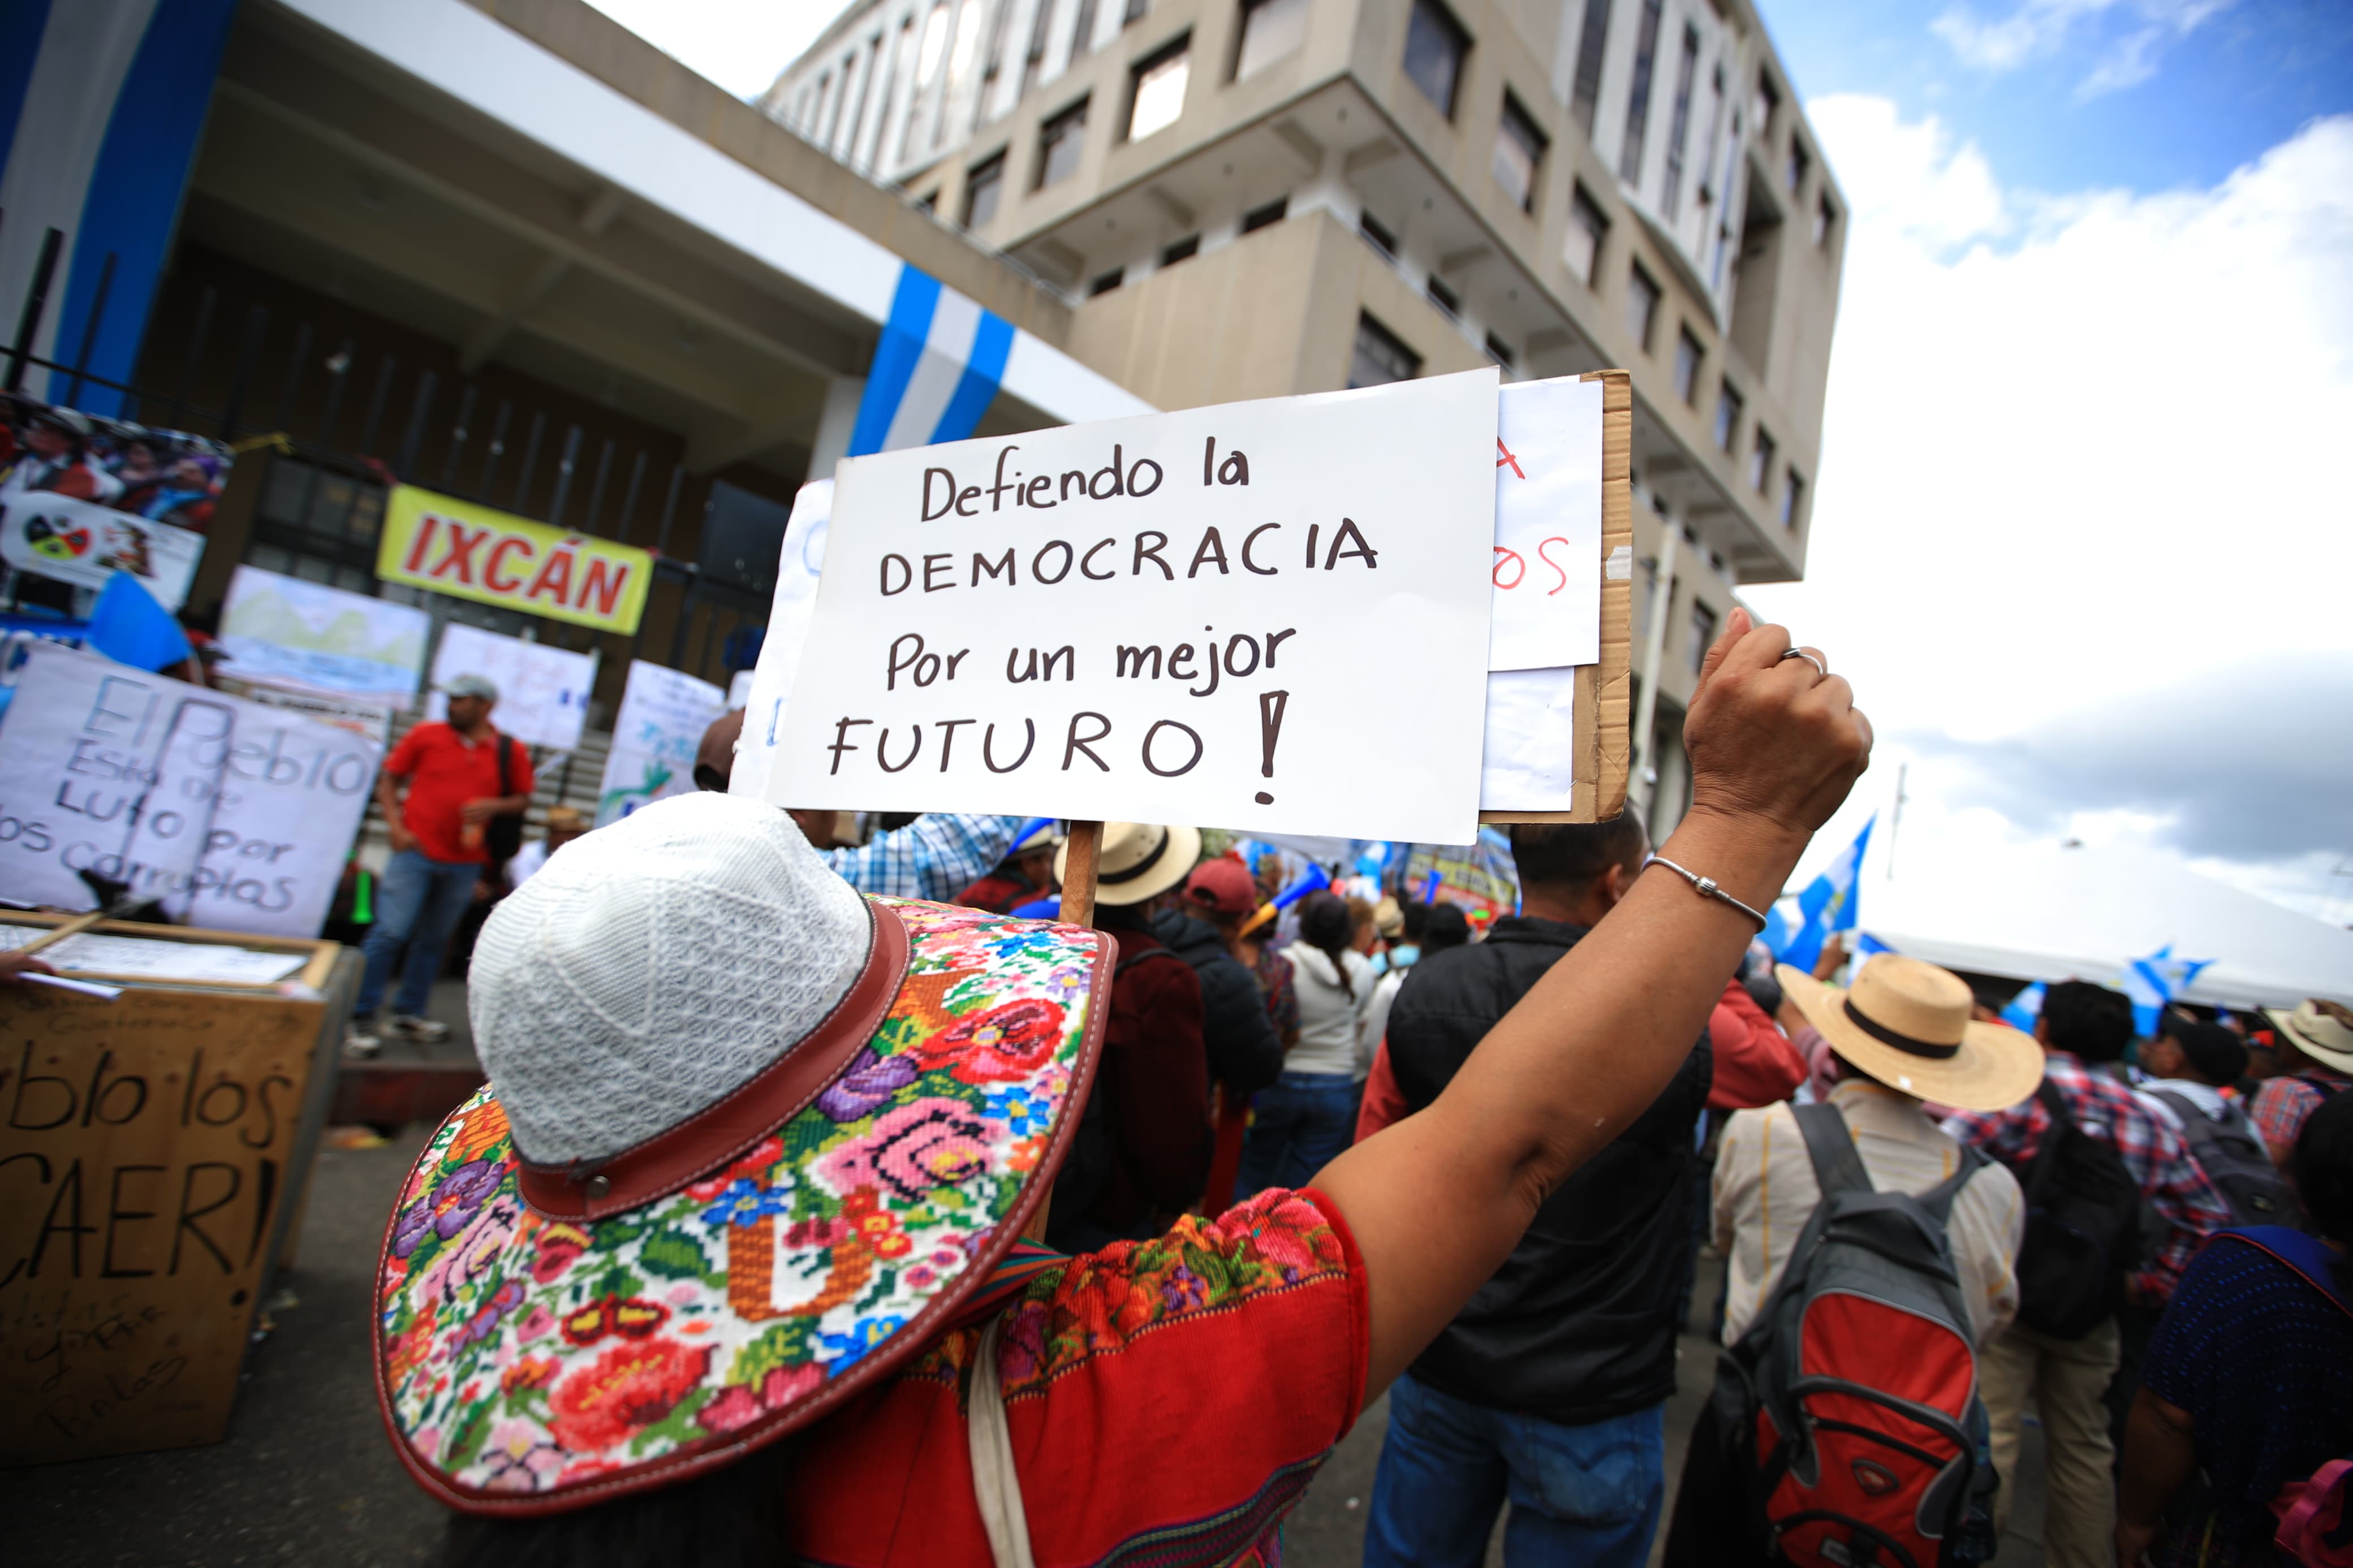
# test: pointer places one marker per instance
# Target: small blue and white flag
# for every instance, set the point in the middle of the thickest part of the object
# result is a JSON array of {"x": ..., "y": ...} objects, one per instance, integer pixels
[
  {"x": 2025, "y": 1009},
  {"x": 1827, "y": 905},
  {"x": 2154, "y": 981},
  {"x": 935, "y": 370}
]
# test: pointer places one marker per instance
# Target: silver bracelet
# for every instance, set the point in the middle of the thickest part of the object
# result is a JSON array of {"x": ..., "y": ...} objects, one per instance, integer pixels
[{"x": 1706, "y": 886}]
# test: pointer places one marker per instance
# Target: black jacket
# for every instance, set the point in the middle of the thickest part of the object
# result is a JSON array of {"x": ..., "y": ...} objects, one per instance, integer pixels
[
  {"x": 1576, "y": 1326},
  {"x": 1245, "y": 1055}
]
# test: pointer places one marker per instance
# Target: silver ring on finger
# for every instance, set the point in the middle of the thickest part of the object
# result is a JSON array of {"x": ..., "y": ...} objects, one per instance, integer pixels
[{"x": 1809, "y": 658}]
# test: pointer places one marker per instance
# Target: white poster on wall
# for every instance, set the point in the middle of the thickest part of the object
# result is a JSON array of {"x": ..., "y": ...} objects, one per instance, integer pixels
[
  {"x": 543, "y": 690},
  {"x": 789, "y": 614},
  {"x": 1181, "y": 618},
  {"x": 1547, "y": 566},
  {"x": 238, "y": 816},
  {"x": 660, "y": 725},
  {"x": 306, "y": 637}
]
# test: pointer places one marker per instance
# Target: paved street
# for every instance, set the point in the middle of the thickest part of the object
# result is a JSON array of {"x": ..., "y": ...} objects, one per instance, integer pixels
[{"x": 306, "y": 1476}]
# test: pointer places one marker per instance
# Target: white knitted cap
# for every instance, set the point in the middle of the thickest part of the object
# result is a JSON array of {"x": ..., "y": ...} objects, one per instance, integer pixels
[{"x": 653, "y": 967}]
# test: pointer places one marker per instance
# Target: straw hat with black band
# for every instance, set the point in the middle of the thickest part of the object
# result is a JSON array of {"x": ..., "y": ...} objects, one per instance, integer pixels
[
  {"x": 2321, "y": 1030},
  {"x": 1908, "y": 1025},
  {"x": 1139, "y": 860}
]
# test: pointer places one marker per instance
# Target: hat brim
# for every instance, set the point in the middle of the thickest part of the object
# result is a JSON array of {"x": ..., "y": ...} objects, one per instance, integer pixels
[
  {"x": 1996, "y": 1067},
  {"x": 528, "y": 1363},
  {"x": 1177, "y": 859},
  {"x": 2284, "y": 1021}
]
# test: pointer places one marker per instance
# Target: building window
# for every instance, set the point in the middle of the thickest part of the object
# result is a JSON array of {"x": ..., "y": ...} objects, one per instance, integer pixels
[
  {"x": 1373, "y": 229},
  {"x": 1760, "y": 462},
  {"x": 1793, "y": 496},
  {"x": 1060, "y": 143},
  {"x": 1825, "y": 220},
  {"x": 1156, "y": 90},
  {"x": 1266, "y": 216},
  {"x": 1593, "y": 36},
  {"x": 1688, "y": 354},
  {"x": 1082, "y": 32},
  {"x": 1183, "y": 250},
  {"x": 1638, "y": 96},
  {"x": 1434, "y": 46},
  {"x": 1445, "y": 299},
  {"x": 1033, "y": 64},
  {"x": 1799, "y": 162},
  {"x": 1767, "y": 105},
  {"x": 1501, "y": 352},
  {"x": 1703, "y": 634},
  {"x": 1519, "y": 152},
  {"x": 1271, "y": 30},
  {"x": 1381, "y": 358},
  {"x": 930, "y": 201},
  {"x": 1641, "y": 305},
  {"x": 1106, "y": 281},
  {"x": 1728, "y": 416},
  {"x": 1678, "y": 121},
  {"x": 982, "y": 186},
  {"x": 1586, "y": 226},
  {"x": 1135, "y": 12}
]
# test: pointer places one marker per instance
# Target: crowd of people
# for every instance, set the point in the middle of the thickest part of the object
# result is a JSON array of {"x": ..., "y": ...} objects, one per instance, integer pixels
[
  {"x": 1359, "y": 1148},
  {"x": 161, "y": 476}
]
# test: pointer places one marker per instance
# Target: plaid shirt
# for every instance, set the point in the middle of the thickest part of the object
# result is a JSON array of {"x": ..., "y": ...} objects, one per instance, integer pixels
[
  {"x": 934, "y": 857},
  {"x": 2283, "y": 1105},
  {"x": 2156, "y": 1156}
]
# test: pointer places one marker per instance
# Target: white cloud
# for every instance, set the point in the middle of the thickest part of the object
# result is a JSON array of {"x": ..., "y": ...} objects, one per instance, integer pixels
[
  {"x": 2040, "y": 28},
  {"x": 2082, "y": 454},
  {"x": 741, "y": 44}
]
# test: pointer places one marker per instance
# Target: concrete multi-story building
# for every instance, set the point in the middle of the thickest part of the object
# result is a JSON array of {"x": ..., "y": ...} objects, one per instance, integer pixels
[{"x": 1250, "y": 198}]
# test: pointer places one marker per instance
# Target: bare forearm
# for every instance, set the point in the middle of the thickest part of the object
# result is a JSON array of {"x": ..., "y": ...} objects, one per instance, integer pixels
[
  {"x": 387, "y": 799},
  {"x": 2161, "y": 1456}
]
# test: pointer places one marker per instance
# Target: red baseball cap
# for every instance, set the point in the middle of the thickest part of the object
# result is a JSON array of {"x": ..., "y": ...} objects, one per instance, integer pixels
[{"x": 1223, "y": 885}]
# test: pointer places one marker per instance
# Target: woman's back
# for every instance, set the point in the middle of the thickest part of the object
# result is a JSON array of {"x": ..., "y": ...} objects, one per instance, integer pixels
[{"x": 1332, "y": 998}]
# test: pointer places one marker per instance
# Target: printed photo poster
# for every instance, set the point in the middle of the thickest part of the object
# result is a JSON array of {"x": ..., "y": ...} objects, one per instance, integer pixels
[
  {"x": 543, "y": 690},
  {"x": 663, "y": 716},
  {"x": 306, "y": 637},
  {"x": 1478, "y": 876},
  {"x": 238, "y": 816},
  {"x": 82, "y": 498},
  {"x": 1171, "y": 618}
]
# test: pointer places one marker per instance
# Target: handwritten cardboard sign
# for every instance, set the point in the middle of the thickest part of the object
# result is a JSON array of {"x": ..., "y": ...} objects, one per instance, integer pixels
[
  {"x": 149, "y": 1144},
  {"x": 543, "y": 690},
  {"x": 454, "y": 546},
  {"x": 789, "y": 613},
  {"x": 238, "y": 815},
  {"x": 1187, "y": 618},
  {"x": 655, "y": 736},
  {"x": 1548, "y": 564}
]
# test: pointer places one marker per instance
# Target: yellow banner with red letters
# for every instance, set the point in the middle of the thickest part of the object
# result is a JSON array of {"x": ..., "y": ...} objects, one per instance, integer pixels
[{"x": 456, "y": 547}]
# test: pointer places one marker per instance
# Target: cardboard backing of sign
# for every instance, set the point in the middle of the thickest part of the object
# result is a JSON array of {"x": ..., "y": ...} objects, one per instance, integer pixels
[
  {"x": 158, "y": 1145},
  {"x": 1599, "y": 790}
]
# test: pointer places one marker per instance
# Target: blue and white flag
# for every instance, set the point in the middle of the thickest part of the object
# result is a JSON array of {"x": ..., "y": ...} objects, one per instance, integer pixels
[
  {"x": 935, "y": 371},
  {"x": 100, "y": 105},
  {"x": 1827, "y": 905},
  {"x": 2154, "y": 981},
  {"x": 2025, "y": 1009}
]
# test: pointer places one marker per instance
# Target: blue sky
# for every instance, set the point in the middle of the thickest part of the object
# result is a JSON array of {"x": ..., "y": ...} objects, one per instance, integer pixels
[{"x": 2066, "y": 95}]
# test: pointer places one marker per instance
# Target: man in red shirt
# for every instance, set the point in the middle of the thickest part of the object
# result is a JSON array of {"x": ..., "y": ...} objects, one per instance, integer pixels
[{"x": 454, "y": 788}]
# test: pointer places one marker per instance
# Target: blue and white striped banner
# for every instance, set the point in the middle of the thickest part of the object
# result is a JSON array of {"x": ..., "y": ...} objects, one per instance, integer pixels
[
  {"x": 935, "y": 371},
  {"x": 100, "y": 105}
]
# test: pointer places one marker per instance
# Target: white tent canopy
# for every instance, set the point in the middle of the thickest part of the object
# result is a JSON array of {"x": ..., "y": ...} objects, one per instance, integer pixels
[{"x": 2084, "y": 913}]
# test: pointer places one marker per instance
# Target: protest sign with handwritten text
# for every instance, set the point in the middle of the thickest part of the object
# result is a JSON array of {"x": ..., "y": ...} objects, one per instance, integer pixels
[
  {"x": 1214, "y": 616},
  {"x": 238, "y": 816}
]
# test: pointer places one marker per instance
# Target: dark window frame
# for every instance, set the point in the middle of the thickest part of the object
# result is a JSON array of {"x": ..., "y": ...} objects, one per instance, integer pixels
[
  {"x": 1178, "y": 47},
  {"x": 1639, "y": 275},
  {"x": 1050, "y": 133},
  {"x": 1534, "y": 142},
  {"x": 1104, "y": 282},
  {"x": 1582, "y": 207},
  {"x": 1443, "y": 297},
  {"x": 1375, "y": 230},
  {"x": 986, "y": 175},
  {"x": 1691, "y": 352},
  {"x": 1387, "y": 343},
  {"x": 1178, "y": 250},
  {"x": 1430, "y": 22},
  {"x": 1266, "y": 215}
]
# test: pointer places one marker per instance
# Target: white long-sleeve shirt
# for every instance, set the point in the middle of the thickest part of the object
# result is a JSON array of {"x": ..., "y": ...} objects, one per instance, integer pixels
[{"x": 1331, "y": 1012}]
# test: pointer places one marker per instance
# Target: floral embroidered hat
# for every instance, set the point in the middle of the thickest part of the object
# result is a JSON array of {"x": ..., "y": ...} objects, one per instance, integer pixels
[{"x": 749, "y": 1140}]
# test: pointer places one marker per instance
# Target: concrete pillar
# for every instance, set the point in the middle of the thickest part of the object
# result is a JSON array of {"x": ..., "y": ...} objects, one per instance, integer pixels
[{"x": 835, "y": 424}]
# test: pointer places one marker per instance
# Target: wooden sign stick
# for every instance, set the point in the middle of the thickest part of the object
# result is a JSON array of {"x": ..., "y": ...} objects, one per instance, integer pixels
[
  {"x": 81, "y": 923},
  {"x": 1079, "y": 874}
]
